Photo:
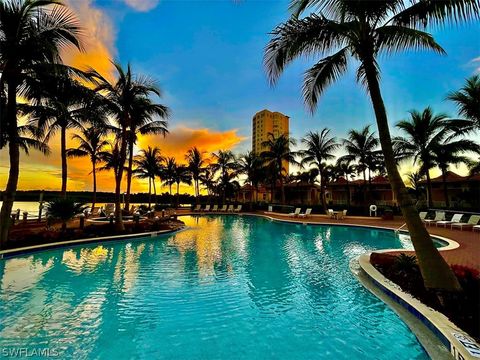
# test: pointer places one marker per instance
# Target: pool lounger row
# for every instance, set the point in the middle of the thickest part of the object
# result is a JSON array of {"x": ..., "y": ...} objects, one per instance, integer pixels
[
  {"x": 454, "y": 222},
  {"x": 215, "y": 208}
]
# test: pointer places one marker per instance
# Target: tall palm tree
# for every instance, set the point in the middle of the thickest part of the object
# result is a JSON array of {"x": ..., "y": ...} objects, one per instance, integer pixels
[
  {"x": 425, "y": 131},
  {"x": 90, "y": 144},
  {"x": 148, "y": 118},
  {"x": 225, "y": 163},
  {"x": 278, "y": 153},
  {"x": 196, "y": 164},
  {"x": 467, "y": 100},
  {"x": 168, "y": 173},
  {"x": 452, "y": 153},
  {"x": 207, "y": 179},
  {"x": 61, "y": 103},
  {"x": 32, "y": 34},
  {"x": 251, "y": 165},
  {"x": 181, "y": 176},
  {"x": 341, "y": 29},
  {"x": 148, "y": 166},
  {"x": 320, "y": 148},
  {"x": 123, "y": 98}
]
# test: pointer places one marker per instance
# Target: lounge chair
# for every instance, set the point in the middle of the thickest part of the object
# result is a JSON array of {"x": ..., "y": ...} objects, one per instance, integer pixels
[
  {"x": 95, "y": 211},
  {"x": 474, "y": 219},
  {"x": 207, "y": 208},
  {"x": 306, "y": 213},
  {"x": 476, "y": 227},
  {"x": 295, "y": 213},
  {"x": 215, "y": 208},
  {"x": 423, "y": 215},
  {"x": 439, "y": 216},
  {"x": 342, "y": 215},
  {"x": 230, "y": 208},
  {"x": 197, "y": 207},
  {"x": 455, "y": 219},
  {"x": 238, "y": 208},
  {"x": 109, "y": 208},
  {"x": 223, "y": 208},
  {"x": 330, "y": 213}
]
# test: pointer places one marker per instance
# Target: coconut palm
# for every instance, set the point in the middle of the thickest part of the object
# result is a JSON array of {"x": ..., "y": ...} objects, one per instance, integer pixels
[
  {"x": 347, "y": 170},
  {"x": 251, "y": 165},
  {"x": 207, "y": 179},
  {"x": 225, "y": 163},
  {"x": 90, "y": 144},
  {"x": 148, "y": 166},
  {"x": 320, "y": 148},
  {"x": 168, "y": 173},
  {"x": 467, "y": 100},
  {"x": 474, "y": 167},
  {"x": 32, "y": 34},
  {"x": 147, "y": 118},
  {"x": 196, "y": 164},
  {"x": 425, "y": 131},
  {"x": 64, "y": 210},
  {"x": 452, "y": 153},
  {"x": 338, "y": 30},
  {"x": 277, "y": 154},
  {"x": 123, "y": 97},
  {"x": 181, "y": 176}
]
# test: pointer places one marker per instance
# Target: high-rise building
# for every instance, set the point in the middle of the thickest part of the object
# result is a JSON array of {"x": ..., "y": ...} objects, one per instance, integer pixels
[{"x": 265, "y": 122}]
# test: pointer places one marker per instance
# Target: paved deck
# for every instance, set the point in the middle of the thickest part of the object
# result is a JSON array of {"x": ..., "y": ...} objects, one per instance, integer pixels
[{"x": 467, "y": 254}]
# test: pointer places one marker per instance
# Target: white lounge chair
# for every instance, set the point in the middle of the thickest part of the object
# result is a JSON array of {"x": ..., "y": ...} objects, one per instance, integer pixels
[
  {"x": 207, "y": 208},
  {"x": 423, "y": 215},
  {"x": 474, "y": 219},
  {"x": 197, "y": 207},
  {"x": 455, "y": 219},
  {"x": 342, "y": 215},
  {"x": 215, "y": 208},
  {"x": 238, "y": 208},
  {"x": 439, "y": 216},
  {"x": 270, "y": 208},
  {"x": 476, "y": 227},
  {"x": 306, "y": 214},
  {"x": 223, "y": 208},
  {"x": 295, "y": 213},
  {"x": 330, "y": 213},
  {"x": 230, "y": 208}
]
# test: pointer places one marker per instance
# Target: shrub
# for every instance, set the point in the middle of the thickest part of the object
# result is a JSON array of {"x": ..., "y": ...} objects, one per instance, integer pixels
[{"x": 63, "y": 209}]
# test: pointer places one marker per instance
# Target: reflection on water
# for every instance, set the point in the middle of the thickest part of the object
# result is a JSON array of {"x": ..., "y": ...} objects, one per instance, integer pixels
[{"x": 227, "y": 286}]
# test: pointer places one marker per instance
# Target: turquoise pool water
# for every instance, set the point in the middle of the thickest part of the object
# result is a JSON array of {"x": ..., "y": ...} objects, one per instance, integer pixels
[{"x": 229, "y": 287}]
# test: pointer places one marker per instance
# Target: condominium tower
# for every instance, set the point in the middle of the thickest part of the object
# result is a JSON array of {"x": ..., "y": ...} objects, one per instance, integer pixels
[{"x": 265, "y": 122}]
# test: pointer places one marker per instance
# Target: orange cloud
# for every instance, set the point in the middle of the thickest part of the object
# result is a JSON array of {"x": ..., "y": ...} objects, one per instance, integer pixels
[
  {"x": 142, "y": 5},
  {"x": 98, "y": 39},
  {"x": 44, "y": 172}
]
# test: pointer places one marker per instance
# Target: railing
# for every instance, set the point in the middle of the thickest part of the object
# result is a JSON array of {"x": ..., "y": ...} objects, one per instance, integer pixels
[{"x": 400, "y": 228}]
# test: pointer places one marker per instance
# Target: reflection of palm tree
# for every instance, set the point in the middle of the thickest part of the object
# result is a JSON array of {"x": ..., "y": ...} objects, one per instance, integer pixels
[
  {"x": 276, "y": 154},
  {"x": 148, "y": 166},
  {"x": 363, "y": 30},
  {"x": 468, "y": 100},
  {"x": 32, "y": 34},
  {"x": 320, "y": 148},
  {"x": 90, "y": 144},
  {"x": 452, "y": 153}
]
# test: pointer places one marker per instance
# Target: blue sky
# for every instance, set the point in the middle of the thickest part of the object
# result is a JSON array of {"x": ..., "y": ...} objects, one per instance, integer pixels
[{"x": 207, "y": 56}]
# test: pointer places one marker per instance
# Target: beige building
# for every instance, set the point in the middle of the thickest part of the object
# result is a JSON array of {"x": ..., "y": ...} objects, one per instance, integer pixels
[{"x": 265, "y": 122}]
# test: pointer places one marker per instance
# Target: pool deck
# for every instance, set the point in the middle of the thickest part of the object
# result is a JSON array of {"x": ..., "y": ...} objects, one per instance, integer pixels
[{"x": 468, "y": 253}]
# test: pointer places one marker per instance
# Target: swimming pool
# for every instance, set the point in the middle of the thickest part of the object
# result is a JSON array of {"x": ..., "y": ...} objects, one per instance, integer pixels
[{"x": 236, "y": 287}]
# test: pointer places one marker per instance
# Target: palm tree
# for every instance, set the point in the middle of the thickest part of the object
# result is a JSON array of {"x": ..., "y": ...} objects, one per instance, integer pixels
[
  {"x": 207, "y": 179},
  {"x": 347, "y": 170},
  {"x": 320, "y": 148},
  {"x": 196, "y": 164},
  {"x": 90, "y": 144},
  {"x": 181, "y": 175},
  {"x": 225, "y": 163},
  {"x": 32, "y": 34},
  {"x": 363, "y": 30},
  {"x": 278, "y": 153},
  {"x": 111, "y": 159},
  {"x": 123, "y": 98},
  {"x": 148, "y": 166},
  {"x": 251, "y": 165},
  {"x": 168, "y": 173},
  {"x": 144, "y": 121},
  {"x": 474, "y": 167},
  {"x": 452, "y": 153},
  {"x": 467, "y": 100},
  {"x": 415, "y": 180},
  {"x": 425, "y": 131}
]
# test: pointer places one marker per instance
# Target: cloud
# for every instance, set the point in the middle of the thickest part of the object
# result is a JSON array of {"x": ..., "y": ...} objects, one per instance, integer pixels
[
  {"x": 142, "y": 5},
  {"x": 476, "y": 63},
  {"x": 98, "y": 38}
]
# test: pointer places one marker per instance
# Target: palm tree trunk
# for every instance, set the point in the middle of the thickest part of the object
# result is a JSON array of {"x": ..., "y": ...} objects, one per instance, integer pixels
[
  {"x": 14, "y": 154},
  {"x": 429, "y": 190},
  {"x": 94, "y": 172},
  {"x": 119, "y": 226},
  {"x": 445, "y": 190},
  {"x": 176, "y": 202},
  {"x": 434, "y": 269},
  {"x": 154, "y": 190},
  {"x": 149, "y": 193},
  {"x": 322, "y": 192},
  {"x": 282, "y": 189},
  {"x": 63, "y": 146},
  {"x": 129, "y": 172}
]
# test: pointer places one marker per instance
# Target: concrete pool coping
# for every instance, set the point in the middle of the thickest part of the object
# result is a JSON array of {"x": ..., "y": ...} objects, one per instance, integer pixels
[{"x": 440, "y": 327}]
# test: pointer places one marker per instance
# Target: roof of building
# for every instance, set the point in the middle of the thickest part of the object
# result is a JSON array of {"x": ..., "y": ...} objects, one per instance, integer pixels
[{"x": 451, "y": 177}]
